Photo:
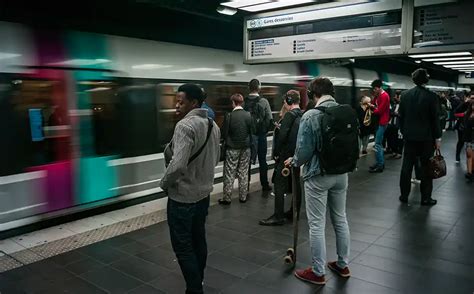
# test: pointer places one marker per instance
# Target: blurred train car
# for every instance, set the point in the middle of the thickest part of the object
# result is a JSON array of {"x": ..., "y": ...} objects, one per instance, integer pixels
[{"x": 84, "y": 117}]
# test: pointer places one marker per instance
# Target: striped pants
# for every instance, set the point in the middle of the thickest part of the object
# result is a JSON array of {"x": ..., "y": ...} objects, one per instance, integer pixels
[{"x": 236, "y": 164}]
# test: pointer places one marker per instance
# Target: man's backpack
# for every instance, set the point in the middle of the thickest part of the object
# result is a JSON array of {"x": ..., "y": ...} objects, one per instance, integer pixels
[
  {"x": 257, "y": 112},
  {"x": 340, "y": 139}
]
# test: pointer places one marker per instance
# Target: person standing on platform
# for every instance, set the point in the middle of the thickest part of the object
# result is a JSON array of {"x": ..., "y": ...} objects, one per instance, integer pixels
[
  {"x": 394, "y": 142},
  {"x": 188, "y": 181},
  {"x": 469, "y": 139},
  {"x": 284, "y": 147},
  {"x": 364, "y": 114},
  {"x": 237, "y": 134},
  {"x": 421, "y": 130},
  {"x": 325, "y": 188},
  {"x": 262, "y": 121},
  {"x": 382, "y": 110}
]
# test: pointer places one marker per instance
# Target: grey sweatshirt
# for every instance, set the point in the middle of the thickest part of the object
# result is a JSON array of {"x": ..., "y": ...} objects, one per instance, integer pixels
[{"x": 194, "y": 182}]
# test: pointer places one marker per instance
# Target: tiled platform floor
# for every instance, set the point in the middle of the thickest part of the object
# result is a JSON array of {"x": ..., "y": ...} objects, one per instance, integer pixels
[{"x": 396, "y": 248}]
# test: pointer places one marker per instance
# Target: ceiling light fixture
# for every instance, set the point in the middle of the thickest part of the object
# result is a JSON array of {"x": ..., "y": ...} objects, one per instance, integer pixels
[
  {"x": 454, "y": 62},
  {"x": 418, "y": 61},
  {"x": 226, "y": 10},
  {"x": 459, "y": 66},
  {"x": 448, "y": 59},
  {"x": 432, "y": 55},
  {"x": 242, "y": 3},
  {"x": 275, "y": 4}
]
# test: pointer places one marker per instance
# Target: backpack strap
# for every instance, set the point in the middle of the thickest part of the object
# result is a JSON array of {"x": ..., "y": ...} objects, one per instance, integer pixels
[{"x": 209, "y": 129}]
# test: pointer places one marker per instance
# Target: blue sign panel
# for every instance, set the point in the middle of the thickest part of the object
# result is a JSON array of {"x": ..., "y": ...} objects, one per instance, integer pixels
[{"x": 36, "y": 124}]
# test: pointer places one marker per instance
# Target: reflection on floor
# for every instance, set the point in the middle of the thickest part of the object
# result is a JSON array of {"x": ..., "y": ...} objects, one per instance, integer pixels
[{"x": 396, "y": 248}]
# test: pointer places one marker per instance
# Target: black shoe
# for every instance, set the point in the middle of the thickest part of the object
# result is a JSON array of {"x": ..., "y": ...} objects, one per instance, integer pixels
[
  {"x": 289, "y": 215},
  {"x": 272, "y": 221},
  {"x": 364, "y": 152},
  {"x": 266, "y": 188},
  {"x": 243, "y": 200},
  {"x": 376, "y": 170},
  {"x": 429, "y": 202},
  {"x": 468, "y": 176},
  {"x": 223, "y": 202},
  {"x": 403, "y": 199}
]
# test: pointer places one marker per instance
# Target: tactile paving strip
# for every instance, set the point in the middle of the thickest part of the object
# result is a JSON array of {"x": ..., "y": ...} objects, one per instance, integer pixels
[{"x": 40, "y": 252}]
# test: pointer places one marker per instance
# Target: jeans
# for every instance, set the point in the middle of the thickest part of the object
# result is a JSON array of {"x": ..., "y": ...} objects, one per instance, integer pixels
[
  {"x": 379, "y": 159},
  {"x": 262, "y": 159},
  {"x": 186, "y": 222},
  {"x": 363, "y": 142},
  {"x": 322, "y": 191},
  {"x": 414, "y": 149}
]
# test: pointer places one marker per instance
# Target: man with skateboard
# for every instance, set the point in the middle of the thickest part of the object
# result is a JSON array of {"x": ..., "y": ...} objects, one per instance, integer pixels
[{"x": 327, "y": 146}]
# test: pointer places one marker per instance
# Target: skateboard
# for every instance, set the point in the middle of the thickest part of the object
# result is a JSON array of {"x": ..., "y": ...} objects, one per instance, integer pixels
[{"x": 290, "y": 257}]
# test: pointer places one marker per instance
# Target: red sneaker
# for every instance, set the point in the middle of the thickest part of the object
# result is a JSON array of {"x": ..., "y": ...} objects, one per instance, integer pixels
[
  {"x": 309, "y": 276},
  {"x": 343, "y": 272}
]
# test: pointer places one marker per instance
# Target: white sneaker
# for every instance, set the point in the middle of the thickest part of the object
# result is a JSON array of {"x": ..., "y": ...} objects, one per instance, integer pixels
[{"x": 415, "y": 181}]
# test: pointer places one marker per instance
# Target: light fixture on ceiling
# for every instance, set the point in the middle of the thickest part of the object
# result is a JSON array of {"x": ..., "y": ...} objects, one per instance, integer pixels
[
  {"x": 243, "y": 3},
  {"x": 447, "y": 59},
  {"x": 454, "y": 62},
  {"x": 418, "y": 61},
  {"x": 459, "y": 66},
  {"x": 275, "y": 4},
  {"x": 446, "y": 54},
  {"x": 226, "y": 10}
]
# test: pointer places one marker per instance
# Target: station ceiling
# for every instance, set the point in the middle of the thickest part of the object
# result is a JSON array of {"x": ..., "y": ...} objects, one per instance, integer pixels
[{"x": 188, "y": 22}]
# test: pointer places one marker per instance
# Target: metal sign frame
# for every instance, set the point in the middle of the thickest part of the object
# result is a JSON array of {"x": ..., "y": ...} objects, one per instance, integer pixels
[{"x": 332, "y": 10}]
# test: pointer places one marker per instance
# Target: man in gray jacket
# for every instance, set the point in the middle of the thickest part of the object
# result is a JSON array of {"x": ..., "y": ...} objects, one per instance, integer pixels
[{"x": 188, "y": 181}]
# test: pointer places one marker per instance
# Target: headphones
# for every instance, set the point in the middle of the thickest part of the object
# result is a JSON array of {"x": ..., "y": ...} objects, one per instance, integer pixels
[{"x": 288, "y": 99}]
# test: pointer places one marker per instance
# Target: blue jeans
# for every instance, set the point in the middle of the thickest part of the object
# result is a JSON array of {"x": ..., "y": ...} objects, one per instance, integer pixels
[
  {"x": 187, "y": 223},
  {"x": 379, "y": 159},
  {"x": 322, "y": 191}
]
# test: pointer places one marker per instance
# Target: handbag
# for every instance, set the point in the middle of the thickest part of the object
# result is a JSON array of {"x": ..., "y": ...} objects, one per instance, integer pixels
[
  {"x": 368, "y": 118},
  {"x": 436, "y": 166}
]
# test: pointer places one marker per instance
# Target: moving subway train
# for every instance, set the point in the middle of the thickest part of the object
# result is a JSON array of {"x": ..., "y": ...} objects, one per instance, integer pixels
[{"x": 84, "y": 116}]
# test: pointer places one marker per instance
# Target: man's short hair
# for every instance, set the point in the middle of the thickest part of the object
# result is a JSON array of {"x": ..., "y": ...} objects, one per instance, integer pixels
[
  {"x": 320, "y": 87},
  {"x": 237, "y": 98},
  {"x": 377, "y": 83},
  {"x": 420, "y": 76},
  {"x": 293, "y": 96},
  {"x": 254, "y": 85},
  {"x": 192, "y": 92}
]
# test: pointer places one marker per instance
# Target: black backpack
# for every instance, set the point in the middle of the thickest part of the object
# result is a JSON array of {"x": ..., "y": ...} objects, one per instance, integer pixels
[
  {"x": 340, "y": 139},
  {"x": 257, "y": 112}
]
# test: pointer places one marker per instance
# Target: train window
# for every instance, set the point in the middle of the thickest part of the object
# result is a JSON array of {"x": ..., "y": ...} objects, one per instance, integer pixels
[
  {"x": 105, "y": 118},
  {"x": 35, "y": 123},
  {"x": 218, "y": 98}
]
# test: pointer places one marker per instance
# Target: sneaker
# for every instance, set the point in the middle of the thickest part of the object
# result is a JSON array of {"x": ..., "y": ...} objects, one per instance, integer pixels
[
  {"x": 308, "y": 275},
  {"x": 376, "y": 170},
  {"x": 272, "y": 221},
  {"x": 343, "y": 272},
  {"x": 223, "y": 202},
  {"x": 415, "y": 181},
  {"x": 397, "y": 156}
]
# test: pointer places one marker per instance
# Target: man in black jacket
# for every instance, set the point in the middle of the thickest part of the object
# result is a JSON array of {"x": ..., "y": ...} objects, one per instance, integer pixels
[
  {"x": 285, "y": 145},
  {"x": 419, "y": 125}
]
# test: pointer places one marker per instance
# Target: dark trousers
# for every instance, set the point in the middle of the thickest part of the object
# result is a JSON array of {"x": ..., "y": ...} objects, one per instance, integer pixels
[
  {"x": 459, "y": 144},
  {"x": 188, "y": 238},
  {"x": 413, "y": 149},
  {"x": 393, "y": 142},
  {"x": 262, "y": 159}
]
